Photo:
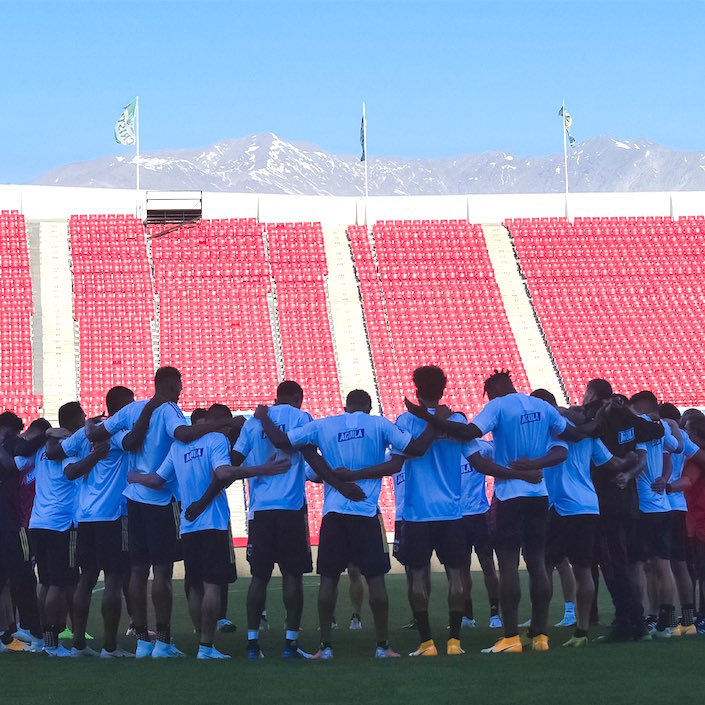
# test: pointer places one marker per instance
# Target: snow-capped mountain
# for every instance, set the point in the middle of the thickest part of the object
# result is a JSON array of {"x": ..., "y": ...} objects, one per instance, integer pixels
[{"x": 264, "y": 163}]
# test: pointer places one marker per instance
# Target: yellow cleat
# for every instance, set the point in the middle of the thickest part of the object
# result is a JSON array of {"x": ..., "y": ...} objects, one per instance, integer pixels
[
  {"x": 577, "y": 642},
  {"x": 453, "y": 648},
  {"x": 690, "y": 630},
  {"x": 540, "y": 643},
  {"x": 16, "y": 645},
  {"x": 508, "y": 645},
  {"x": 427, "y": 648},
  {"x": 677, "y": 631}
]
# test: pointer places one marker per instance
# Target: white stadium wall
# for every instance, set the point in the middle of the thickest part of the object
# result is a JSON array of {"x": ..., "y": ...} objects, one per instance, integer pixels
[{"x": 59, "y": 202}]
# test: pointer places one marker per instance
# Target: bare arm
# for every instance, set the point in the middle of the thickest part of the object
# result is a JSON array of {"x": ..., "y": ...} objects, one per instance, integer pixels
[
  {"x": 82, "y": 467},
  {"x": 373, "y": 472},
  {"x": 555, "y": 456},
  {"x": 349, "y": 490},
  {"x": 151, "y": 480},
  {"x": 277, "y": 437},
  {"x": 135, "y": 438},
  {"x": 188, "y": 434},
  {"x": 455, "y": 429},
  {"x": 487, "y": 466},
  {"x": 54, "y": 450},
  {"x": 419, "y": 445}
]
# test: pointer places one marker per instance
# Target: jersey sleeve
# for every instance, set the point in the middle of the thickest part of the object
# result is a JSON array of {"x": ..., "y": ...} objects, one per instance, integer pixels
[
  {"x": 119, "y": 421},
  {"x": 116, "y": 440},
  {"x": 220, "y": 452},
  {"x": 472, "y": 447},
  {"x": 689, "y": 448},
  {"x": 167, "y": 471},
  {"x": 670, "y": 442},
  {"x": 488, "y": 418},
  {"x": 304, "y": 435},
  {"x": 310, "y": 473},
  {"x": 243, "y": 445},
  {"x": 74, "y": 444},
  {"x": 556, "y": 422},
  {"x": 600, "y": 455},
  {"x": 393, "y": 435},
  {"x": 173, "y": 418}
]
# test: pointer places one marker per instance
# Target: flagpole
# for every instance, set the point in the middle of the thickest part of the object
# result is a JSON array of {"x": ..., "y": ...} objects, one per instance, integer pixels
[
  {"x": 565, "y": 158},
  {"x": 364, "y": 139},
  {"x": 137, "y": 139}
]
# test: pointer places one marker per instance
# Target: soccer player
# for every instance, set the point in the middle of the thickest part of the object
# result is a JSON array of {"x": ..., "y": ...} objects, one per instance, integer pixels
[
  {"x": 101, "y": 514},
  {"x": 351, "y": 531},
  {"x": 52, "y": 538},
  {"x": 475, "y": 508},
  {"x": 152, "y": 515},
  {"x": 620, "y": 430},
  {"x": 679, "y": 531},
  {"x": 523, "y": 430},
  {"x": 207, "y": 544},
  {"x": 654, "y": 513}
]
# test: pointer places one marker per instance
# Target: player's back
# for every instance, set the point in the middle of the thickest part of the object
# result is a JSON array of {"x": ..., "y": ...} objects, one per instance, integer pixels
[{"x": 55, "y": 495}]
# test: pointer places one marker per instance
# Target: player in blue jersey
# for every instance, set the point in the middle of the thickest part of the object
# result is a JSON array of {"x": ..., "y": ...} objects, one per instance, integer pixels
[
  {"x": 679, "y": 531},
  {"x": 654, "y": 527},
  {"x": 523, "y": 430},
  {"x": 101, "y": 515},
  {"x": 352, "y": 531},
  {"x": 152, "y": 515},
  {"x": 53, "y": 540},
  {"x": 207, "y": 544}
]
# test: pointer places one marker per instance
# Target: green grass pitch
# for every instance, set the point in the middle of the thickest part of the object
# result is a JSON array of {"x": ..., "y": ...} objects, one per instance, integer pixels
[{"x": 620, "y": 673}]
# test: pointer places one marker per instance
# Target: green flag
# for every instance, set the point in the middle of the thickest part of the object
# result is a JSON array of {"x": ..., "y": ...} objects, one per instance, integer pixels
[{"x": 125, "y": 126}]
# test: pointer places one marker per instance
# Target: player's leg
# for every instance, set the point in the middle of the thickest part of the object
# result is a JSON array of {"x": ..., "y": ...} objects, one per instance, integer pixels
[
  {"x": 357, "y": 595},
  {"x": 86, "y": 554},
  {"x": 261, "y": 544},
  {"x": 681, "y": 572},
  {"x": 568, "y": 588},
  {"x": 418, "y": 556},
  {"x": 535, "y": 521},
  {"x": 379, "y": 605},
  {"x": 111, "y": 607},
  {"x": 327, "y": 598},
  {"x": 210, "y": 609},
  {"x": 582, "y": 532}
]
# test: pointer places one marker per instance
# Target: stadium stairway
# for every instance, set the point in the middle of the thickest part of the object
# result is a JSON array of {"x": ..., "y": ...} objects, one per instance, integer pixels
[
  {"x": 352, "y": 350},
  {"x": 534, "y": 352},
  {"x": 56, "y": 363}
]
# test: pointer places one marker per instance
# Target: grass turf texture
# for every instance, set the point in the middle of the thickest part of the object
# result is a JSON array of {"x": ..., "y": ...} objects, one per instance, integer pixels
[{"x": 617, "y": 673}]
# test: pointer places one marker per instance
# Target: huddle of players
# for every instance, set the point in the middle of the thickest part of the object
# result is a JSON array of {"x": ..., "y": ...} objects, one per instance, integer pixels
[{"x": 609, "y": 474}]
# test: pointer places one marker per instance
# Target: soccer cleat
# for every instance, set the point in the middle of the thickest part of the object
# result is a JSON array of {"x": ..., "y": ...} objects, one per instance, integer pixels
[
  {"x": 58, "y": 652},
  {"x": 507, "y": 645},
  {"x": 468, "y": 623},
  {"x": 665, "y": 633},
  {"x": 539, "y": 643},
  {"x": 614, "y": 637},
  {"x": 690, "y": 630},
  {"x": 677, "y": 630},
  {"x": 495, "y": 622},
  {"x": 577, "y": 642},
  {"x": 701, "y": 627},
  {"x": 23, "y": 635},
  {"x": 525, "y": 625},
  {"x": 254, "y": 654},
  {"x": 381, "y": 652},
  {"x": 226, "y": 626},
  {"x": 144, "y": 649},
  {"x": 210, "y": 653},
  {"x": 36, "y": 646},
  {"x": 568, "y": 620},
  {"x": 68, "y": 634},
  {"x": 426, "y": 648},
  {"x": 15, "y": 646},
  {"x": 292, "y": 652},
  {"x": 411, "y": 625},
  {"x": 116, "y": 653},
  {"x": 355, "y": 622},
  {"x": 323, "y": 654},
  {"x": 453, "y": 648},
  {"x": 85, "y": 652}
]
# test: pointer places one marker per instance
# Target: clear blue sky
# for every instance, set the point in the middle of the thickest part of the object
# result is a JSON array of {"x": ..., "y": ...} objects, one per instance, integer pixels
[{"x": 439, "y": 78}]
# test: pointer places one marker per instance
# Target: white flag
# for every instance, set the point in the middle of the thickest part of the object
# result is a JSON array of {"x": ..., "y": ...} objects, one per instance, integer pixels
[{"x": 125, "y": 126}]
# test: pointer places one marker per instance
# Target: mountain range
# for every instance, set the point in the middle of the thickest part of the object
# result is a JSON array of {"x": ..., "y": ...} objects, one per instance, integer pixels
[{"x": 264, "y": 163}]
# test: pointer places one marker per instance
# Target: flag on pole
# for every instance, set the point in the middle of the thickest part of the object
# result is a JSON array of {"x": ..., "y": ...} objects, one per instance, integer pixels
[
  {"x": 125, "y": 126},
  {"x": 567, "y": 122},
  {"x": 362, "y": 138}
]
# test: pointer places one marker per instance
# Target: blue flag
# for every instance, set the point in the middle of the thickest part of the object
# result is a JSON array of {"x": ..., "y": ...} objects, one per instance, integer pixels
[
  {"x": 567, "y": 122},
  {"x": 362, "y": 138}
]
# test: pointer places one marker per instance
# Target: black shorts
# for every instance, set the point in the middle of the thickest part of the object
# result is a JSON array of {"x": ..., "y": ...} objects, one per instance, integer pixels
[
  {"x": 477, "y": 535},
  {"x": 209, "y": 557},
  {"x": 572, "y": 537},
  {"x": 654, "y": 535},
  {"x": 521, "y": 524},
  {"x": 398, "y": 546},
  {"x": 279, "y": 536},
  {"x": 349, "y": 538},
  {"x": 103, "y": 545},
  {"x": 55, "y": 552},
  {"x": 446, "y": 538},
  {"x": 15, "y": 555},
  {"x": 153, "y": 533}
]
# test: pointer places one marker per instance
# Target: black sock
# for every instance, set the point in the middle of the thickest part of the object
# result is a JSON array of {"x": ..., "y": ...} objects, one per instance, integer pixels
[
  {"x": 164, "y": 633},
  {"x": 325, "y": 645},
  {"x": 291, "y": 643},
  {"x": 423, "y": 625},
  {"x": 688, "y": 612},
  {"x": 142, "y": 632},
  {"x": 454, "y": 621},
  {"x": 494, "y": 609},
  {"x": 79, "y": 641},
  {"x": 6, "y": 637},
  {"x": 205, "y": 645},
  {"x": 383, "y": 644},
  {"x": 51, "y": 637},
  {"x": 253, "y": 643},
  {"x": 672, "y": 620},
  {"x": 579, "y": 633},
  {"x": 664, "y": 617}
]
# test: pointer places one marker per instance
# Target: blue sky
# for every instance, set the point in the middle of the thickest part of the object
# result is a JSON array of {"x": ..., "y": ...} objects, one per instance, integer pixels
[{"x": 439, "y": 78}]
